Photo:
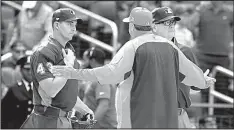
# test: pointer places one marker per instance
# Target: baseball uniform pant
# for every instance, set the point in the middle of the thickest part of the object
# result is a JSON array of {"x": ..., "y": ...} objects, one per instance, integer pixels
[
  {"x": 183, "y": 119},
  {"x": 47, "y": 119}
]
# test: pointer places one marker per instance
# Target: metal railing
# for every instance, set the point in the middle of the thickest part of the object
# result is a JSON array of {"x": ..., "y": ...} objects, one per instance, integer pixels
[
  {"x": 213, "y": 93},
  {"x": 13, "y": 4},
  {"x": 82, "y": 35},
  {"x": 9, "y": 54},
  {"x": 99, "y": 18}
]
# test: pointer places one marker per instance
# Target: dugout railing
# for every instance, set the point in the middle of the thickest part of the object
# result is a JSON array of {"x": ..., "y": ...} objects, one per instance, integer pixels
[{"x": 215, "y": 94}]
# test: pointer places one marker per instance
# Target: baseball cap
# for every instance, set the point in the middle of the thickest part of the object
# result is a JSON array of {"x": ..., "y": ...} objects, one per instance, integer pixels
[
  {"x": 163, "y": 14},
  {"x": 65, "y": 14},
  {"x": 139, "y": 16},
  {"x": 29, "y": 4},
  {"x": 24, "y": 62}
]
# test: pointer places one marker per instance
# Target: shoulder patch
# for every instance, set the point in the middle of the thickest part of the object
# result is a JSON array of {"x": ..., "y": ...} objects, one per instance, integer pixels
[{"x": 49, "y": 53}]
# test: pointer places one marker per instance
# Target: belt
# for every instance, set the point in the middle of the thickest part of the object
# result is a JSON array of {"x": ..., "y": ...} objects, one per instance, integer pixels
[
  {"x": 52, "y": 111},
  {"x": 180, "y": 110}
]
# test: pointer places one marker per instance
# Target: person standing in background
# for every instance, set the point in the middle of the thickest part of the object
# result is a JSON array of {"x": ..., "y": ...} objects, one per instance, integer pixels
[
  {"x": 10, "y": 70},
  {"x": 183, "y": 35},
  {"x": 34, "y": 23},
  {"x": 17, "y": 103},
  {"x": 100, "y": 98},
  {"x": 214, "y": 23}
]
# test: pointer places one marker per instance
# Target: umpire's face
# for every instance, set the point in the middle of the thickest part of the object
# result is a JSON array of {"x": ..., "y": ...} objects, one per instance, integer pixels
[{"x": 67, "y": 29}]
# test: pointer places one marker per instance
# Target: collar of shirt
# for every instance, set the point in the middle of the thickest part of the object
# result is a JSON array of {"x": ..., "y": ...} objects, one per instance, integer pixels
[
  {"x": 54, "y": 41},
  {"x": 26, "y": 84},
  {"x": 174, "y": 41}
]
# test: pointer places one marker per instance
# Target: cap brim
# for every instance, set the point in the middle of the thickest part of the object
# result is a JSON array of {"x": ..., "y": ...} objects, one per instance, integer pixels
[
  {"x": 170, "y": 17},
  {"x": 126, "y": 20},
  {"x": 79, "y": 20}
]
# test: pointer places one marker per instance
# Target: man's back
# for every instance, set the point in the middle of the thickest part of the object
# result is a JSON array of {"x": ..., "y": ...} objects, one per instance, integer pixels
[
  {"x": 153, "y": 96},
  {"x": 154, "y": 86}
]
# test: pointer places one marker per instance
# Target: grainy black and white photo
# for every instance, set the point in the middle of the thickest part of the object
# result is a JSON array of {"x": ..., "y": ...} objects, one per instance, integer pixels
[{"x": 117, "y": 65}]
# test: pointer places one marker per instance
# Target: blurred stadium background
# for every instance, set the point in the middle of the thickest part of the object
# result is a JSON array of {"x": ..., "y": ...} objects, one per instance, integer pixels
[{"x": 103, "y": 27}]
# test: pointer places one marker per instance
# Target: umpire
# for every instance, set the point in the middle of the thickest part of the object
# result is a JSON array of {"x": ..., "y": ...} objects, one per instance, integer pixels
[{"x": 55, "y": 98}]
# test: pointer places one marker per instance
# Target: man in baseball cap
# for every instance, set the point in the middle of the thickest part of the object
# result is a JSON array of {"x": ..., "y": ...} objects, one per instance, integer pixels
[
  {"x": 140, "y": 20},
  {"x": 65, "y": 14},
  {"x": 163, "y": 14},
  {"x": 164, "y": 25},
  {"x": 61, "y": 102},
  {"x": 164, "y": 22}
]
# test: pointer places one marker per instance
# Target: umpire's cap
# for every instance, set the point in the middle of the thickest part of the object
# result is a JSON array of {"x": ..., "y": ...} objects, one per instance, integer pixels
[
  {"x": 24, "y": 62},
  {"x": 163, "y": 14},
  {"x": 141, "y": 18},
  {"x": 65, "y": 14}
]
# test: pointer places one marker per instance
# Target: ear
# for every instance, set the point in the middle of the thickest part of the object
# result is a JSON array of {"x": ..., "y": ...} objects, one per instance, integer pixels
[
  {"x": 131, "y": 27},
  {"x": 56, "y": 25},
  {"x": 154, "y": 27}
]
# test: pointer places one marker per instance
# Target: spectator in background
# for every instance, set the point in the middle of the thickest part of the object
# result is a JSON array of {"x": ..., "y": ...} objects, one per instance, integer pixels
[
  {"x": 123, "y": 11},
  {"x": 7, "y": 23},
  {"x": 54, "y": 4},
  {"x": 10, "y": 72},
  {"x": 18, "y": 50},
  {"x": 106, "y": 9},
  {"x": 100, "y": 30},
  {"x": 34, "y": 23},
  {"x": 100, "y": 98},
  {"x": 215, "y": 24},
  {"x": 3, "y": 36},
  {"x": 17, "y": 103},
  {"x": 183, "y": 35},
  {"x": 150, "y": 5}
]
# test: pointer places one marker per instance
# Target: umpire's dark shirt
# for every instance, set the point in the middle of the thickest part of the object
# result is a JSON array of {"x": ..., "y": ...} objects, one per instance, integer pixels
[
  {"x": 183, "y": 93},
  {"x": 41, "y": 61}
]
